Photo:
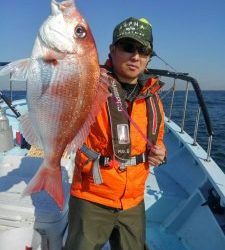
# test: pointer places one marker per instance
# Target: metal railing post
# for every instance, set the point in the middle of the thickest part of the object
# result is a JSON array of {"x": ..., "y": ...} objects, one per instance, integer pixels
[
  {"x": 196, "y": 126},
  {"x": 209, "y": 148},
  {"x": 172, "y": 98},
  {"x": 185, "y": 108},
  {"x": 10, "y": 86}
]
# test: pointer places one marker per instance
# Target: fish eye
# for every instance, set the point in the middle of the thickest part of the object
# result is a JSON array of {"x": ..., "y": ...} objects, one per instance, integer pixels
[{"x": 80, "y": 31}]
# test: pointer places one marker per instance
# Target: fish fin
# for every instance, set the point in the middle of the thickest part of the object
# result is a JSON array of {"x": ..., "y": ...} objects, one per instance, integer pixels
[
  {"x": 28, "y": 131},
  {"x": 48, "y": 179},
  {"x": 100, "y": 99},
  {"x": 58, "y": 7},
  {"x": 18, "y": 70},
  {"x": 105, "y": 78}
]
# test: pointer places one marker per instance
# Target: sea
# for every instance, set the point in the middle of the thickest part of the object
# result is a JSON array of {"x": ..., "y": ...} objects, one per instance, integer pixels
[{"x": 215, "y": 102}]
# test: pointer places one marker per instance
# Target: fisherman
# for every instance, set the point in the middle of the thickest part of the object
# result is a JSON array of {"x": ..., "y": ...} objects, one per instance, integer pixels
[{"x": 107, "y": 192}]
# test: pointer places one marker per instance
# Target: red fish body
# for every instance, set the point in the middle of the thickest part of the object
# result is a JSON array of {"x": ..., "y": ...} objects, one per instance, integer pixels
[{"x": 63, "y": 92}]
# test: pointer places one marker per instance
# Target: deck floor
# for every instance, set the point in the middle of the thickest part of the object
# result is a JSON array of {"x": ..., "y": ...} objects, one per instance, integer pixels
[{"x": 158, "y": 239}]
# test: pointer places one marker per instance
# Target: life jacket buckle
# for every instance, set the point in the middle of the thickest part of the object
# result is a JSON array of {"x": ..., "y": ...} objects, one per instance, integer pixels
[
  {"x": 122, "y": 166},
  {"x": 97, "y": 177}
]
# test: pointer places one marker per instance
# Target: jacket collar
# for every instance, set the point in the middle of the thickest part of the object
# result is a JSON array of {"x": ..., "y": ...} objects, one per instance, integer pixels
[{"x": 149, "y": 84}]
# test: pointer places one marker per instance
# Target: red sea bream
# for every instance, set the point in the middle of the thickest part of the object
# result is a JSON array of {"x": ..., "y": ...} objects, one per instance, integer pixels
[{"x": 63, "y": 92}]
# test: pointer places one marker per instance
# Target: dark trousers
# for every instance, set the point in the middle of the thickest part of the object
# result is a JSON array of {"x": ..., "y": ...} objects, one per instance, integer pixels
[{"x": 91, "y": 225}]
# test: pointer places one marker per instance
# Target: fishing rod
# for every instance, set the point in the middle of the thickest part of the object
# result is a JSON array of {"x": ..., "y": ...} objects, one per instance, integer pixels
[
  {"x": 24, "y": 143},
  {"x": 167, "y": 64},
  {"x": 195, "y": 84},
  {"x": 6, "y": 100},
  {"x": 161, "y": 59},
  {"x": 9, "y": 104}
]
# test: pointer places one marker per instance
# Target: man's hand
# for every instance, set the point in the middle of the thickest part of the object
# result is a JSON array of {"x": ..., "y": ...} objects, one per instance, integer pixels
[{"x": 156, "y": 155}]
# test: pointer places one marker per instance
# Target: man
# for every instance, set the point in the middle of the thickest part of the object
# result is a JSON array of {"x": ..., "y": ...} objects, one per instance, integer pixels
[{"x": 107, "y": 192}]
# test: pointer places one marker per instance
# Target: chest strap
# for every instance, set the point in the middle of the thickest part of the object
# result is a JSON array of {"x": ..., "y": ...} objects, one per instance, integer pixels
[
  {"x": 132, "y": 161},
  {"x": 100, "y": 160}
]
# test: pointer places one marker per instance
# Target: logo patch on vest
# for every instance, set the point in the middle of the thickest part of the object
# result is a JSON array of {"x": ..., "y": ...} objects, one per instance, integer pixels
[
  {"x": 118, "y": 101},
  {"x": 123, "y": 133}
]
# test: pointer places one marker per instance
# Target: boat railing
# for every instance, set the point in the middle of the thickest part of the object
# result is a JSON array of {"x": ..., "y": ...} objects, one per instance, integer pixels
[
  {"x": 175, "y": 76},
  {"x": 6, "y": 99},
  {"x": 201, "y": 104},
  {"x": 9, "y": 104}
]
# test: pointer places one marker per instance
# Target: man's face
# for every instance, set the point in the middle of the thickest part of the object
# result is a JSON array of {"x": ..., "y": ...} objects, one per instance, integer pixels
[{"x": 129, "y": 59}]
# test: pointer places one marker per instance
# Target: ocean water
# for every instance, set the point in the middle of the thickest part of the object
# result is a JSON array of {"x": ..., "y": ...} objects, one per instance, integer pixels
[{"x": 215, "y": 101}]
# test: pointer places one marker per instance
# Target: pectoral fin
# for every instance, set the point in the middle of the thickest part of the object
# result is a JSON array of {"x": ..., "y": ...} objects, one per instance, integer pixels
[{"x": 18, "y": 70}]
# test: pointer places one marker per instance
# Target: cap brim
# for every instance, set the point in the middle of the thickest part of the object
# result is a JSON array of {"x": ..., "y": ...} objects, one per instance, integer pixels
[{"x": 144, "y": 43}]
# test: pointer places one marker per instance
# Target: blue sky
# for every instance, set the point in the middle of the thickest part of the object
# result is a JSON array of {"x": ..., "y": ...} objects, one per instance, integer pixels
[{"x": 188, "y": 34}]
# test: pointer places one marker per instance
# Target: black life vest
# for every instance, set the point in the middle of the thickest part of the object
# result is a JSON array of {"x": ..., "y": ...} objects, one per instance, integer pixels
[{"x": 120, "y": 121}]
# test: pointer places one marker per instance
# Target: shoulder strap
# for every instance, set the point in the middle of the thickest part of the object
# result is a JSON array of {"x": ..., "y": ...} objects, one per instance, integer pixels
[
  {"x": 154, "y": 117},
  {"x": 119, "y": 122}
]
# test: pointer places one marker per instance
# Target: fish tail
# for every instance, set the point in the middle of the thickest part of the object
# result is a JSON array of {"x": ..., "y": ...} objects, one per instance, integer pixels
[{"x": 50, "y": 180}]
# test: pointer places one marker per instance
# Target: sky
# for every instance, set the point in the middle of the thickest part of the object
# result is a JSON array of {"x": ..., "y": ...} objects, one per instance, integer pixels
[{"x": 188, "y": 34}]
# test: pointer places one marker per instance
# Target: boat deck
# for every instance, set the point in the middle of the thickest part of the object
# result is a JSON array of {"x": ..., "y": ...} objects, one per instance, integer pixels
[
  {"x": 176, "y": 218},
  {"x": 162, "y": 197}
]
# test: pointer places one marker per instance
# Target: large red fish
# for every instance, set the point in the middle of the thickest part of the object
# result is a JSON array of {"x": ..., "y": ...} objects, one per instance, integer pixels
[{"x": 63, "y": 92}]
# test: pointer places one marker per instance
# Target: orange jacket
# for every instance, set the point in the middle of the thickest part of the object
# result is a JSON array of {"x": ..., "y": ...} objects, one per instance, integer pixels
[{"x": 120, "y": 189}]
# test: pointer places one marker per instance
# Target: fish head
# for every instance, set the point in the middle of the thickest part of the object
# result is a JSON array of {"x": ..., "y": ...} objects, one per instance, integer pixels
[{"x": 64, "y": 32}]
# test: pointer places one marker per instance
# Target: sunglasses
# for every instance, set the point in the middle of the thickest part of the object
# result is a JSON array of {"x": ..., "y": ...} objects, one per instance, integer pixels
[{"x": 131, "y": 47}]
